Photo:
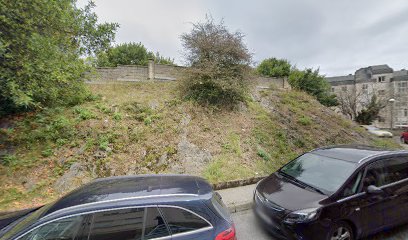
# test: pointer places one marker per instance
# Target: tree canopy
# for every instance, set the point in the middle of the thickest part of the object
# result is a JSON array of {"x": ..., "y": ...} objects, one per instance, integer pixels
[
  {"x": 273, "y": 67},
  {"x": 313, "y": 83},
  {"x": 218, "y": 61},
  {"x": 129, "y": 54},
  {"x": 41, "y": 48}
]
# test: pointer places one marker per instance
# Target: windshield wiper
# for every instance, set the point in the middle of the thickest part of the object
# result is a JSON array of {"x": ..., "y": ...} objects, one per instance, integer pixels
[{"x": 305, "y": 185}]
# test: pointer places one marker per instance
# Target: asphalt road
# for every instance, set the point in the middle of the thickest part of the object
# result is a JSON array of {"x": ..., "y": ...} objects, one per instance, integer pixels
[{"x": 248, "y": 229}]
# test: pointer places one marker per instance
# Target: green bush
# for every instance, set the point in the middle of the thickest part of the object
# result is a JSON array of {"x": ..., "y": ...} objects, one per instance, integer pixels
[
  {"x": 273, "y": 67},
  {"x": 313, "y": 83}
]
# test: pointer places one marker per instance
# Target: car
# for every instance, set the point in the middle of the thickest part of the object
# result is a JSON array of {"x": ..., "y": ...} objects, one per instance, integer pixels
[
  {"x": 338, "y": 192},
  {"x": 404, "y": 136},
  {"x": 378, "y": 132},
  {"x": 128, "y": 207}
]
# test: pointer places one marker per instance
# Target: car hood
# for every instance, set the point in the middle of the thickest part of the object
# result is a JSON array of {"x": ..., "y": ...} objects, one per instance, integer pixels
[{"x": 282, "y": 192}]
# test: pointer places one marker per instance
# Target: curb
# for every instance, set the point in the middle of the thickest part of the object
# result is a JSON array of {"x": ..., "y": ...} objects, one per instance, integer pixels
[
  {"x": 239, "y": 207},
  {"x": 236, "y": 183}
]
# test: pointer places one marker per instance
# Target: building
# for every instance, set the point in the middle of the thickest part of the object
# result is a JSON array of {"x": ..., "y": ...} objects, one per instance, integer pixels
[{"x": 390, "y": 87}]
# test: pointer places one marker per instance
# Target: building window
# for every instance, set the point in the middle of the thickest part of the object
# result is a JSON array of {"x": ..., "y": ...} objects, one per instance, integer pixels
[
  {"x": 402, "y": 87},
  {"x": 405, "y": 112},
  {"x": 381, "y": 92},
  {"x": 344, "y": 88},
  {"x": 381, "y": 119},
  {"x": 381, "y": 79},
  {"x": 332, "y": 89},
  {"x": 365, "y": 88}
]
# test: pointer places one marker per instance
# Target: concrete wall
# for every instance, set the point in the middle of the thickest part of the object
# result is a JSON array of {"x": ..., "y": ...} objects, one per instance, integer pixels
[{"x": 134, "y": 73}]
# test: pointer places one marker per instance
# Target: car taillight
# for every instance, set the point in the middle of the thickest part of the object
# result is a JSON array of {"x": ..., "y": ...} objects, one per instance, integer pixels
[{"x": 228, "y": 234}]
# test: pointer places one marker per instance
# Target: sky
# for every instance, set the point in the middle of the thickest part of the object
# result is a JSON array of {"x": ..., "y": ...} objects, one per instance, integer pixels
[{"x": 338, "y": 37}]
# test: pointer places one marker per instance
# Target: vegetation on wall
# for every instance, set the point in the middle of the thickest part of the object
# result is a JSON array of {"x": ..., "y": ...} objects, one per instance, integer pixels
[
  {"x": 129, "y": 54},
  {"x": 219, "y": 64},
  {"x": 273, "y": 67},
  {"x": 313, "y": 83},
  {"x": 41, "y": 43}
]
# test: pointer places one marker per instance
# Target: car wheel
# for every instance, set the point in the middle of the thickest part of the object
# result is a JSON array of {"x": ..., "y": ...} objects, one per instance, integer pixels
[{"x": 341, "y": 231}]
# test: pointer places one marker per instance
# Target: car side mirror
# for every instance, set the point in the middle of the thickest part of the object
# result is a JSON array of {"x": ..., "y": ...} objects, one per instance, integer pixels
[{"x": 374, "y": 190}]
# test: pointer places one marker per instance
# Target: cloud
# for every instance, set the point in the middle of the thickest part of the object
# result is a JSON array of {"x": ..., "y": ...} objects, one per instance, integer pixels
[{"x": 337, "y": 36}]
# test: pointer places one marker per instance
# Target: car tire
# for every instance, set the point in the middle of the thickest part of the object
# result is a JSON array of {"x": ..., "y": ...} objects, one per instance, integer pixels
[{"x": 341, "y": 231}]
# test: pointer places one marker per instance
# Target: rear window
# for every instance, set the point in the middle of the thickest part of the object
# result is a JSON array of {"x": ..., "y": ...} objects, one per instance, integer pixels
[{"x": 181, "y": 221}]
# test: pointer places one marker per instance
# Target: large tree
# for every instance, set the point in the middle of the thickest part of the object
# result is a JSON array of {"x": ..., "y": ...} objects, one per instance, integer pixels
[
  {"x": 313, "y": 83},
  {"x": 41, "y": 48},
  {"x": 273, "y": 67},
  {"x": 218, "y": 61}
]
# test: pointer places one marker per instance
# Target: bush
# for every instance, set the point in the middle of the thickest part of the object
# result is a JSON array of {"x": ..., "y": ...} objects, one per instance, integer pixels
[
  {"x": 369, "y": 114},
  {"x": 219, "y": 64},
  {"x": 129, "y": 54},
  {"x": 313, "y": 83},
  {"x": 273, "y": 67}
]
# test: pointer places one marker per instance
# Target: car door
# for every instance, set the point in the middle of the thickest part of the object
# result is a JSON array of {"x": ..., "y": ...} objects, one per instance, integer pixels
[
  {"x": 395, "y": 186},
  {"x": 371, "y": 206},
  {"x": 185, "y": 224}
]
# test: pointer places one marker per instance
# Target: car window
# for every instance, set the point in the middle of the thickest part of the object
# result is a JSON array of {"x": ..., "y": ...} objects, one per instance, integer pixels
[
  {"x": 373, "y": 175},
  {"x": 396, "y": 169},
  {"x": 180, "y": 221},
  {"x": 117, "y": 224},
  {"x": 63, "y": 229},
  {"x": 352, "y": 187},
  {"x": 155, "y": 226}
]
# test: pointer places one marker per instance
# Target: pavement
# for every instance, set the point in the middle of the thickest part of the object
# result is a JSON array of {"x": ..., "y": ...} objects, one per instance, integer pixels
[{"x": 239, "y": 198}]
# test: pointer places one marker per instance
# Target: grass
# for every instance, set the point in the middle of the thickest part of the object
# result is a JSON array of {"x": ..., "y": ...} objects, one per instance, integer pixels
[{"x": 135, "y": 128}]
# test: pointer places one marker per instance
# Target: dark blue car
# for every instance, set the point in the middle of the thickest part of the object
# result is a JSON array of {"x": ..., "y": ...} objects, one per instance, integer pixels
[{"x": 130, "y": 207}]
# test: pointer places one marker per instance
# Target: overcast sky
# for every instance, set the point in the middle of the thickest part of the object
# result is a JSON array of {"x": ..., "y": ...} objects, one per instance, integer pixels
[{"x": 337, "y": 36}]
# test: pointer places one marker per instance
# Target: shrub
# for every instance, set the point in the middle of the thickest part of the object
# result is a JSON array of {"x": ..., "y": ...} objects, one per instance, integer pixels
[
  {"x": 273, "y": 67},
  {"x": 305, "y": 121},
  {"x": 218, "y": 61},
  {"x": 313, "y": 83}
]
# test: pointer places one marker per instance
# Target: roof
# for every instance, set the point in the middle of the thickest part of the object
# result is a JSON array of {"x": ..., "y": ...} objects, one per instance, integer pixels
[
  {"x": 340, "y": 78},
  {"x": 400, "y": 75},
  {"x": 125, "y": 187},
  {"x": 350, "y": 153},
  {"x": 379, "y": 69}
]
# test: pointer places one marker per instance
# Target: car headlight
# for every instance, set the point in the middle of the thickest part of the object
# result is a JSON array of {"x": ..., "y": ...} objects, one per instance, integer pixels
[{"x": 304, "y": 215}]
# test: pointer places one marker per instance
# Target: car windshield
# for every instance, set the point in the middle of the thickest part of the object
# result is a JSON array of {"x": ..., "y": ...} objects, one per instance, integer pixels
[{"x": 320, "y": 172}]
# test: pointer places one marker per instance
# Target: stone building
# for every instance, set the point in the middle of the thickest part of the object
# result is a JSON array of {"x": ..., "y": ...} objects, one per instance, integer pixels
[{"x": 389, "y": 86}]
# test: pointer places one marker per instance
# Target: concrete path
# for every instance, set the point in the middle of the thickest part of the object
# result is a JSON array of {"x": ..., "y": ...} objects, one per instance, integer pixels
[{"x": 239, "y": 198}]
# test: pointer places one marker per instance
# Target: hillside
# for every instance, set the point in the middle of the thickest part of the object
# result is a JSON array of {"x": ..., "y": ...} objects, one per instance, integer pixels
[{"x": 137, "y": 128}]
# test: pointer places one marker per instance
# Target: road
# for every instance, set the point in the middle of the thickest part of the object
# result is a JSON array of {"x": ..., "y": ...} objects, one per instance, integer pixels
[{"x": 247, "y": 229}]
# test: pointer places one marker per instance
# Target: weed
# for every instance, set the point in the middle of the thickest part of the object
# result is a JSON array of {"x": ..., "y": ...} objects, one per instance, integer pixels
[
  {"x": 225, "y": 168},
  {"x": 117, "y": 116},
  {"x": 47, "y": 152},
  {"x": 9, "y": 160},
  {"x": 305, "y": 121},
  {"x": 83, "y": 113},
  {"x": 233, "y": 144},
  {"x": 263, "y": 154}
]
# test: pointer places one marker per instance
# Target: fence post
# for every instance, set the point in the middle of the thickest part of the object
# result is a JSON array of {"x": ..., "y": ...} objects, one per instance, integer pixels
[{"x": 151, "y": 69}]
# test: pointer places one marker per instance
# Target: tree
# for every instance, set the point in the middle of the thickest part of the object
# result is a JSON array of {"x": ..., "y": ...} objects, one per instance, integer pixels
[
  {"x": 219, "y": 64},
  {"x": 369, "y": 114},
  {"x": 41, "y": 49},
  {"x": 313, "y": 83},
  {"x": 348, "y": 103},
  {"x": 273, "y": 67},
  {"x": 129, "y": 54}
]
